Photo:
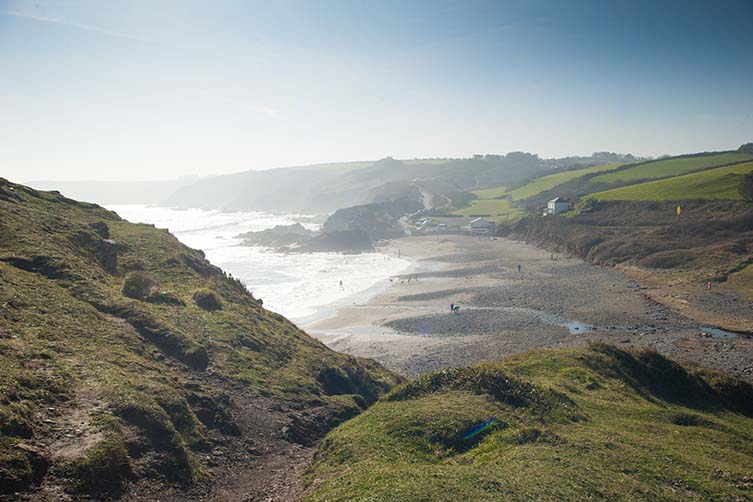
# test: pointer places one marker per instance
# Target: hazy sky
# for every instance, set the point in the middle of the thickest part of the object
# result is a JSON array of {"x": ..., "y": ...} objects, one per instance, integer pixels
[{"x": 156, "y": 88}]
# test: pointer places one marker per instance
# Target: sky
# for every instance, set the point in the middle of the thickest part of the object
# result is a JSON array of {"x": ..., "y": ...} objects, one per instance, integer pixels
[{"x": 156, "y": 89}]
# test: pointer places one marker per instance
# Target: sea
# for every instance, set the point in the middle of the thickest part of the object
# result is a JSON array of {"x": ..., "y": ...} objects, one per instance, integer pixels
[{"x": 298, "y": 286}]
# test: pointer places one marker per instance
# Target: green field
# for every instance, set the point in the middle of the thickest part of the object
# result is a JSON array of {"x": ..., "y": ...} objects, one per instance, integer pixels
[
  {"x": 550, "y": 181},
  {"x": 491, "y": 193},
  {"x": 589, "y": 424},
  {"x": 499, "y": 209},
  {"x": 720, "y": 183},
  {"x": 670, "y": 167}
]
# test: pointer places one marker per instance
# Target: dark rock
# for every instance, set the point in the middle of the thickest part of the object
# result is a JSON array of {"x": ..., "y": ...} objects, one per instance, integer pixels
[
  {"x": 101, "y": 229},
  {"x": 165, "y": 298},
  {"x": 104, "y": 250},
  {"x": 354, "y": 241},
  {"x": 48, "y": 266},
  {"x": 281, "y": 235},
  {"x": 377, "y": 221}
]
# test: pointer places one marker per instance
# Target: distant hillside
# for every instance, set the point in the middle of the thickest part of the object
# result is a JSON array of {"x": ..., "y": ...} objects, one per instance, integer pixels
[
  {"x": 590, "y": 424},
  {"x": 289, "y": 189},
  {"x": 131, "y": 365},
  {"x": 328, "y": 187}
]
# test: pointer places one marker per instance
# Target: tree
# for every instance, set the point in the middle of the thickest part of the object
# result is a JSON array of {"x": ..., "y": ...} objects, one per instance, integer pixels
[
  {"x": 746, "y": 187},
  {"x": 746, "y": 148}
]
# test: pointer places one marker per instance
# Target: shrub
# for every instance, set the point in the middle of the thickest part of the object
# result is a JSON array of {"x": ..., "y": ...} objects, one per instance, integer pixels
[
  {"x": 165, "y": 298},
  {"x": 104, "y": 470},
  {"x": 137, "y": 285},
  {"x": 207, "y": 299},
  {"x": 746, "y": 187}
]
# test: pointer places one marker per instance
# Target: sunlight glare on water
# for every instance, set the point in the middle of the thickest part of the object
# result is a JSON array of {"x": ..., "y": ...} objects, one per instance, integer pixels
[{"x": 294, "y": 285}]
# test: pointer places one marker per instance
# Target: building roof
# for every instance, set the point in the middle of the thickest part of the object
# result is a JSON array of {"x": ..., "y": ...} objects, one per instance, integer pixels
[
  {"x": 557, "y": 199},
  {"x": 481, "y": 220}
]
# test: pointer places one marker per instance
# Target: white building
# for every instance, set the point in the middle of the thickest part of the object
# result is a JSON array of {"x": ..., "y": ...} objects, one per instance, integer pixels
[
  {"x": 480, "y": 226},
  {"x": 556, "y": 206}
]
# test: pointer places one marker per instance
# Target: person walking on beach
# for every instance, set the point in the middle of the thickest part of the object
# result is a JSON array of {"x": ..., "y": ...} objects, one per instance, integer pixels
[
  {"x": 520, "y": 268},
  {"x": 452, "y": 307},
  {"x": 341, "y": 283}
]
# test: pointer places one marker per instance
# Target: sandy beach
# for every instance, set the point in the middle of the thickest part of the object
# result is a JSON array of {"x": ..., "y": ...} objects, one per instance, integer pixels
[{"x": 552, "y": 302}]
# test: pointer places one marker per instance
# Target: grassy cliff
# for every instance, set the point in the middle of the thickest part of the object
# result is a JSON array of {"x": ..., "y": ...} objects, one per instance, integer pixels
[
  {"x": 589, "y": 424},
  {"x": 128, "y": 359}
]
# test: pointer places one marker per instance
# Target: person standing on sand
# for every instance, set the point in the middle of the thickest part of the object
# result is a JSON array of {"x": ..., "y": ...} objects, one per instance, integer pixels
[
  {"x": 341, "y": 283},
  {"x": 520, "y": 268},
  {"x": 452, "y": 307}
]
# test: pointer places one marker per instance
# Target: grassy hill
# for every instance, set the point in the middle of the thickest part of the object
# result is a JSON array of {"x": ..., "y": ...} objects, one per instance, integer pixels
[
  {"x": 698, "y": 176},
  {"x": 328, "y": 187},
  {"x": 551, "y": 181},
  {"x": 596, "y": 423},
  {"x": 498, "y": 202},
  {"x": 670, "y": 167},
  {"x": 719, "y": 183},
  {"x": 129, "y": 362}
]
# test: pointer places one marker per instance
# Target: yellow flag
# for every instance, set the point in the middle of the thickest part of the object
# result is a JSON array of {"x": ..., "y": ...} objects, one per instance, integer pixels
[{"x": 679, "y": 210}]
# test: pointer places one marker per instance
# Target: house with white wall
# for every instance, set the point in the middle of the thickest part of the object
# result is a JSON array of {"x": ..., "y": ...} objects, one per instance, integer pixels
[{"x": 556, "y": 206}]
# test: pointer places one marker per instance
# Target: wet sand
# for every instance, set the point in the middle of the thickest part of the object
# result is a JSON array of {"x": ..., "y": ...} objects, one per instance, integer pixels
[{"x": 563, "y": 302}]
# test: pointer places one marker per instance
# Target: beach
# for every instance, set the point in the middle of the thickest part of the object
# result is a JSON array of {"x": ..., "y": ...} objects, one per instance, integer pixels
[{"x": 552, "y": 301}]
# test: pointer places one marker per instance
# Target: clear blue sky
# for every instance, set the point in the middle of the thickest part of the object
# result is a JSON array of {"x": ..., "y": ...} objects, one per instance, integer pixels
[{"x": 155, "y": 89}]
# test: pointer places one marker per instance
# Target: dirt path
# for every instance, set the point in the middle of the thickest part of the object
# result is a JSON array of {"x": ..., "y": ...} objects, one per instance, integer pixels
[{"x": 560, "y": 302}]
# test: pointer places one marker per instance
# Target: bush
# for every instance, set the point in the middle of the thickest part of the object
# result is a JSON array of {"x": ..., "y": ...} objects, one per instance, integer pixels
[
  {"x": 207, "y": 299},
  {"x": 137, "y": 285},
  {"x": 746, "y": 187},
  {"x": 165, "y": 298},
  {"x": 104, "y": 470}
]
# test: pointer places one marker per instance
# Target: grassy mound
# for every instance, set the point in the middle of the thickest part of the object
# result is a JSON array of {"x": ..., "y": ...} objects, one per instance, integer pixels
[
  {"x": 597, "y": 423},
  {"x": 112, "y": 373}
]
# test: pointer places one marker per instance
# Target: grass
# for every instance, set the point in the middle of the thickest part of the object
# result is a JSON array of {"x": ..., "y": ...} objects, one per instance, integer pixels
[
  {"x": 491, "y": 193},
  {"x": 550, "y": 181},
  {"x": 74, "y": 348},
  {"x": 596, "y": 423},
  {"x": 670, "y": 167},
  {"x": 489, "y": 204},
  {"x": 742, "y": 281},
  {"x": 719, "y": 183}
]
